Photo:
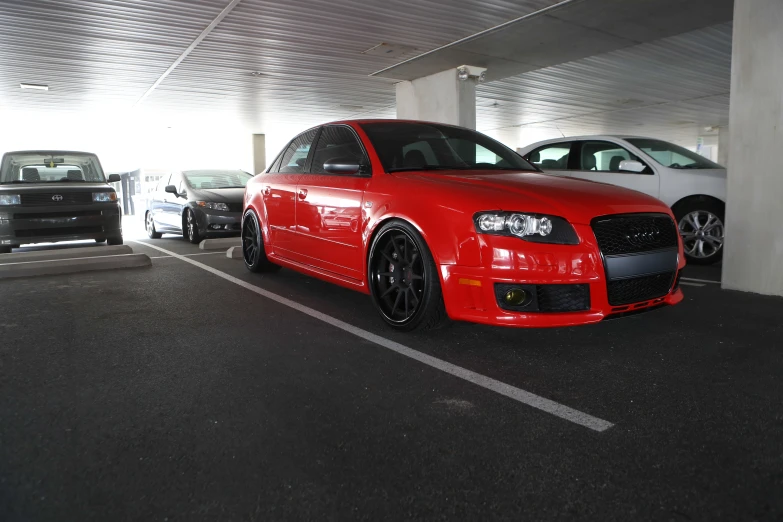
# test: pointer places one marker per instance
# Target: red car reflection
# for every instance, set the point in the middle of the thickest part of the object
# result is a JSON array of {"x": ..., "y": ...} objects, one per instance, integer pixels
[{"x": 436, "y": 221}]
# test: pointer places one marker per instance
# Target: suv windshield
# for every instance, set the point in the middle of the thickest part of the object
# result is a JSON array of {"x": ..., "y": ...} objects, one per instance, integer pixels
[
  {"x": 671, "y": 155},
  {"x": 50, "y": 167},
  {"x": 216, "y": 179},
  {"x": 405, "y": 146}
]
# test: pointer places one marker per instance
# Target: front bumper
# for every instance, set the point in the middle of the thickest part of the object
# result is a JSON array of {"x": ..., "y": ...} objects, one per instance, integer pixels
[
  {"x": 469, "y": 291},
  {"x": 30, "y": 224},
  {"x": 217, "y": 223}
]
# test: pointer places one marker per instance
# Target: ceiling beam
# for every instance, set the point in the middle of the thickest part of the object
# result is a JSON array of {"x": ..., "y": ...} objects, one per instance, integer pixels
[{"x": 208, "y": 29}]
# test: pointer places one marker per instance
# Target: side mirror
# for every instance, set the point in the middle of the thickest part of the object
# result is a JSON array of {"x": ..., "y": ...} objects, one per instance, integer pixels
[
  {"x": 114, "y": 178},
  {"x": 171, "y": 189},
  {"x": 342, "y": 166},
  {"x": 632, "y": 166}
]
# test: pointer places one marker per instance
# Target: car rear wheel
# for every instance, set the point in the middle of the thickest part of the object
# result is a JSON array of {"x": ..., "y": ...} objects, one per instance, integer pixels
[
  {"x": 403, "y": 279},
  {"x": 253, "y": 251},
  {"x": 701, "y": 228},
  {"x": 115, "y": 240},
  {"x": 5, "y": 249},
  {"x": 190, "y": 228},
  {"x": 149, "y": 225}
]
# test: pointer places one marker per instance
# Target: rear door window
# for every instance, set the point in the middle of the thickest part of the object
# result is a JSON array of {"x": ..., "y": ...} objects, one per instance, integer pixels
[{"x": 294, "y": 158}]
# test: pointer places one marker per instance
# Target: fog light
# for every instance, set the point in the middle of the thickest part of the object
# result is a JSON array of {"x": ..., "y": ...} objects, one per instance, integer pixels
[{"x": 515, "y": 297}]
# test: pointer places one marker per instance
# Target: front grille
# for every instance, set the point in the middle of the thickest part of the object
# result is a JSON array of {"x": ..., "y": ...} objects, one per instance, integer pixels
[
  {"x": 234, "y": 207},
  {"x": 634, "y": 233},
  {"x": 48, "y": 198},
  {"x": 563, "y": 298},
  {"x": 61, "y": 231},
  {"x": 53, "y": 215},
  {"x": 636, "y": 289}
]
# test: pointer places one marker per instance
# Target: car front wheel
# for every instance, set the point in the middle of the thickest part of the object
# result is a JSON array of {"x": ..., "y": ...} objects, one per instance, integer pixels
[
  {"x": 253, "y": 251},
  {"x": 701, "y": 228},
  {"x": 191, "y": 228},
  {"x": 403, "y": 279},
  {"x": 149, "y": 225}
]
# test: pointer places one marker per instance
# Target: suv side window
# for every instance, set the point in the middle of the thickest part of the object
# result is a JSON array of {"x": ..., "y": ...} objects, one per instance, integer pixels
[
  {"x": 337, "y": 143},
  {"x": 295, "y": 156},
  {"x": 553, "y": 156},
  {"x": 604, "y": 156}
]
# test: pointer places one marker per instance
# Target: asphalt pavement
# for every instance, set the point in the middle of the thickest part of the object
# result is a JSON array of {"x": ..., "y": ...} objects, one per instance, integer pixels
[{"x": 192, "y": 390}]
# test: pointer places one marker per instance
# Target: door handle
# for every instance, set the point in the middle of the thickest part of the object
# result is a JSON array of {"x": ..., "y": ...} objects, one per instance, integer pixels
[
  {"x": 302, "y": 193},
  {"x": 267, "y": 190}
]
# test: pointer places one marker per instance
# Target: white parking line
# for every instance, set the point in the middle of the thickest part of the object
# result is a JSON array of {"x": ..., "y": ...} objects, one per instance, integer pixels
[
  {"x": 699, "y": 280},
  {"x": 184, "y": 255},
  {"x": 685, "y": 283},
  {"x": 518, "y": 394}
]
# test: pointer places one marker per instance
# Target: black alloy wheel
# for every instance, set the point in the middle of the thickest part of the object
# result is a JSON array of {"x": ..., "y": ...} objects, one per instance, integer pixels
[
  {"x": 253, "y": 251},
  {"x": 404, "y": 280},
  {"x": 191, "y": 228}
]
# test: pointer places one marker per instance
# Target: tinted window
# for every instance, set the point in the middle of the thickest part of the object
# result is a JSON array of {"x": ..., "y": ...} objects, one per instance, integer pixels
[
  {"x": 50, "y": 167},
  {"x": 337, "y": 144},
  {"x": 551, "y": 157},
  {"x": 295, "y": 156},
  {"x": 216, "y": 179},
  {"x": 671, "y": 155},
  {"x": 603, "y": 156},
  {"x": 432, "y": 146}
]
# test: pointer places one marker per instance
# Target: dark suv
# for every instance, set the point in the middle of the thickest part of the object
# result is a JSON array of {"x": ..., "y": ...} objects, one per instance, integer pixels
[{"x": 49, "y": 196}]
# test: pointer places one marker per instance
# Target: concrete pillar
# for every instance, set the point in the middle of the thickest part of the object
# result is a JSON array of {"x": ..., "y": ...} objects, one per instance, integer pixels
[
  {"x": 753, "y": 260},
  {"x": 723, "y": 146},
  {"x": 259, "y": 153},
  {"x": 441, "y": 97}
]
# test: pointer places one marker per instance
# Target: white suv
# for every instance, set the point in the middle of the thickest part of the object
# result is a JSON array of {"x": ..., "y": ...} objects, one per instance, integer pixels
[{"x": 693, "y": 186}]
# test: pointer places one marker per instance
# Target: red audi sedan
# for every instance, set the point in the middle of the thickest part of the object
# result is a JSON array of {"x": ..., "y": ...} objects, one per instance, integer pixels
[{"x": 436, "y": 221}]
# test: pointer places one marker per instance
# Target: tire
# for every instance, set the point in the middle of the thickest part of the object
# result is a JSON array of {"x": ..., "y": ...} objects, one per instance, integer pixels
[
  {"x": 701, "y": 225},
  {"x": 5, "y": 249},
  {"x": 100, "y": 240},
  {"x": 115, "y": 240},
  {"x": 149, "y": 225},
  {"x": 253, "y": 251},
  {"x": 190, "y": 227},
  {"x": 413, "y": 284}
]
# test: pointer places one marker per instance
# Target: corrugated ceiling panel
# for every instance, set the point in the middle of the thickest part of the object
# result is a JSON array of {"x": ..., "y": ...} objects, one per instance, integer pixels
[
  {"x": 92, "y": 53},
  {"x": 99, "y": 54},
  {"x": 310, "y": 55}
]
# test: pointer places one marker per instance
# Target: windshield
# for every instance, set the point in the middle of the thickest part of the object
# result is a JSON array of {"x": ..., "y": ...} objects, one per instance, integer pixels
[
  {"x": 671, "y": 155},
  {"x": 50, "y": 167},
  {"x": 216, "y": 179},
  {"x": 405, "y": 146}
]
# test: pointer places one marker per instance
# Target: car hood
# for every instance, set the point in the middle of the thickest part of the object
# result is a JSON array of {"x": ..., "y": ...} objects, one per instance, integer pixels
[
  {"x": 31, "y": 188},
  {"x": 577, "y": 200},
  {"x": 226, "y": 195}
]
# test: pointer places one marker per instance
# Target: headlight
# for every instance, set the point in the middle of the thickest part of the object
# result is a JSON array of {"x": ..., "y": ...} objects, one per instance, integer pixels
[
  {"x": 102, "y": 197},
  {"x": 10, "y": 199},
  {"x": 538, "y": 228},
  {"x": 212, "y": 205}
]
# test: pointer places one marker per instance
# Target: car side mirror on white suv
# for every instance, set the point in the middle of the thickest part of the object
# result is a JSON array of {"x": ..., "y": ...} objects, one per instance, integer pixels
[{"x": 632, "y": 166}]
